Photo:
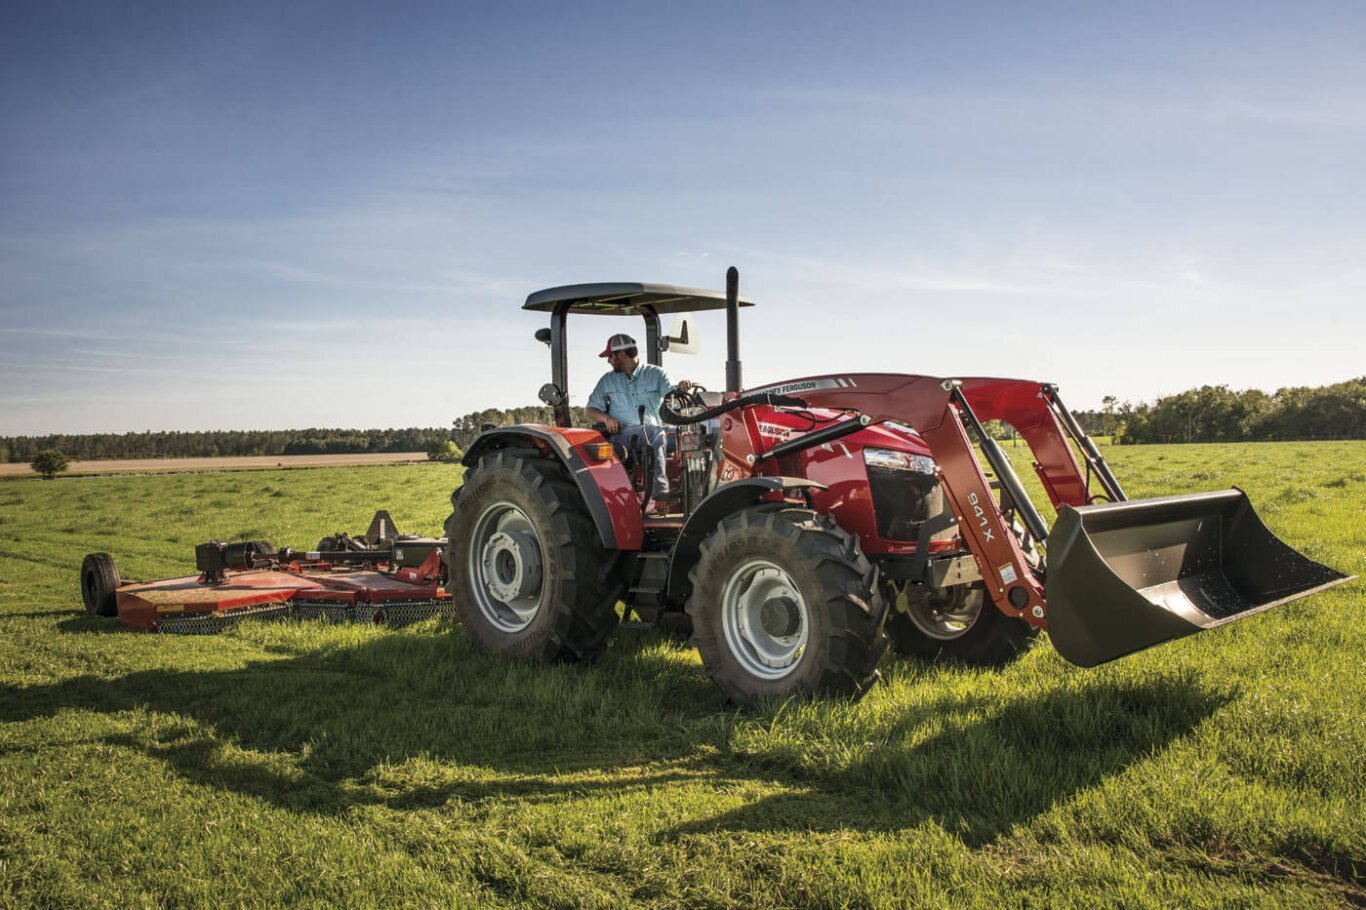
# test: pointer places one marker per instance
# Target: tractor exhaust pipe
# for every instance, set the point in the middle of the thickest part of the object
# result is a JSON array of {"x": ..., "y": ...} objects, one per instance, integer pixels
[{"x": 733, "y": 383}]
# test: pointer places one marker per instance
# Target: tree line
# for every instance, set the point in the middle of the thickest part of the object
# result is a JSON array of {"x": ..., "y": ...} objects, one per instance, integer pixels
[
  {"x": 1220, "y": 414},
  {"x": 1206, "y": 414},
  {"x": 232, "y": 443},
  {"x": 215, "y": 443}
]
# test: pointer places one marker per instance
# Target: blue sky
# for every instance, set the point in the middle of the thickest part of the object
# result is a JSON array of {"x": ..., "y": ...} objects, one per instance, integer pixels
[{"x": 328, "y": 214}]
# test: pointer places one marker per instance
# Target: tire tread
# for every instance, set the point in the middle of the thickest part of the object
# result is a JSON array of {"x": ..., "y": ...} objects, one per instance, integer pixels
[
  {"x": 584, "y": 615},
  {"x": 850, "y": 600}
]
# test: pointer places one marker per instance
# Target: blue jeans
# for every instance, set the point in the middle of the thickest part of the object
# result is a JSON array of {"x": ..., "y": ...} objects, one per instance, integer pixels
[{"x": 653, "y": 437}]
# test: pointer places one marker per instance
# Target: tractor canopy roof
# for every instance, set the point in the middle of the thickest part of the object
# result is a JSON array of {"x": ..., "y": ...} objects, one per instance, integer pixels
[{"x": 626, "y": 299}]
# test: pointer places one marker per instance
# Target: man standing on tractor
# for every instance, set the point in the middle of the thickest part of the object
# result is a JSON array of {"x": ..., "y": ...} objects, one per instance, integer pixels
[{"x": 627, "y": 401}]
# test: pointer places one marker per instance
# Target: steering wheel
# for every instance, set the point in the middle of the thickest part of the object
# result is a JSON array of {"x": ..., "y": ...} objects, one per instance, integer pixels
[{"x": 689, "y": 399}]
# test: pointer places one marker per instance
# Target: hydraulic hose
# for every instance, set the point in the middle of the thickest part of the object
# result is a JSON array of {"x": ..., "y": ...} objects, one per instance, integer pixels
[{"x": 674, "y": 418}]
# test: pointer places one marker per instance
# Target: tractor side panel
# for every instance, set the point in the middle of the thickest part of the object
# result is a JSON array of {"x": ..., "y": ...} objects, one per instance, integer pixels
[
  {"x": 848, "y": 498},
  {"x": 605, "y": 486}
]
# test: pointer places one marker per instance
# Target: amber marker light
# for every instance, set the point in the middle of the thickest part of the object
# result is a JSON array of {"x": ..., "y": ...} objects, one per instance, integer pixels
[{"x": 602, "y": 451}]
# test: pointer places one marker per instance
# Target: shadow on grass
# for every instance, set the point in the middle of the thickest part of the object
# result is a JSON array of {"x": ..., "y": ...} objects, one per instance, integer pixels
[
  {"x": 339, "y": 711},
  {"x": 987, "y": 767},
  {"x": 330, "y": 729},
  {"x": 85, "y": 624}
]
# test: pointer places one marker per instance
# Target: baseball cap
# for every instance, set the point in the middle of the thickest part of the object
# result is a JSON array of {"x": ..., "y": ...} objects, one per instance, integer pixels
[{"x": 618, "y": 342}]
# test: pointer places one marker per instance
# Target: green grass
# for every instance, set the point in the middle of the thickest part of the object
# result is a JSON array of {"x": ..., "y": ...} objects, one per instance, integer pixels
[{"x": 347, "y": 766}]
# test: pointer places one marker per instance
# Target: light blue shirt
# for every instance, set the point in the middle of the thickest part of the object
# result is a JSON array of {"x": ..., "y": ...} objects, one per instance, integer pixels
[{"x": 646, "y": 386}]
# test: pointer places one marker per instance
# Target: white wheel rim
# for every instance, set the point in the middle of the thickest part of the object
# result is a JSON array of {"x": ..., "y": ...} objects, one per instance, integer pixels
[
  {"x": 505, "y": 567},
  {"x": 765, "y": 619}
]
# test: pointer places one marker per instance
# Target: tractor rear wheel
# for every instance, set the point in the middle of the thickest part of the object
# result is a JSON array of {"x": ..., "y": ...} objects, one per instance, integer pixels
[
  {"x": 784, "y": 604},
  {"x": 959, "y": 623},
  {"x": 99, "y": 579},
  {"x": 529, "y": 576}
]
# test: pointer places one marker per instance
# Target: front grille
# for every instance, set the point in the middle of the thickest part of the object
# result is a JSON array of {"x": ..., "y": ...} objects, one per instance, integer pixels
[{"x": 903, "y": 501}]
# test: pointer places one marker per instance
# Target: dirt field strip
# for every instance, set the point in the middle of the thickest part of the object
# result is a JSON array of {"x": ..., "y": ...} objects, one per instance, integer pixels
[{"x": 173, "y": 465}]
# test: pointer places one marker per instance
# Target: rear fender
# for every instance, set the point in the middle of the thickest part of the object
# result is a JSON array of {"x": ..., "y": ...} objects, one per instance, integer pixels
[
  {"x": 732, "y": 497},
  {"x": 604, "y": 485}
]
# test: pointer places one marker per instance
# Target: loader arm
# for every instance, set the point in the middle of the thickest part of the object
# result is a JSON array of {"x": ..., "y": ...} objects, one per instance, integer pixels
[
  {"x": 941, "y": 411},
  {"x": 1027, "y": 406}
]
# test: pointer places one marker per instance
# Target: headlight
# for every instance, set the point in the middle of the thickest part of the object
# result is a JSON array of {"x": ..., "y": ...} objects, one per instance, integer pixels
[{"x": 898, "y": 461}]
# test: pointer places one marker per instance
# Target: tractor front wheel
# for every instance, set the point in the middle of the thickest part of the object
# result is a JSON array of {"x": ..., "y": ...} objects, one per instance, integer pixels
[
  {"x": 784, "y": 604},
  {"x": 529, "y": 576},
  {"x": 959, "y": 623}
]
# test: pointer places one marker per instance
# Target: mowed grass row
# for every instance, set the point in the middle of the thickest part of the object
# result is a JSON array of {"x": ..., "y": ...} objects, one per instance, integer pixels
[{"x": 348, "y": 766}]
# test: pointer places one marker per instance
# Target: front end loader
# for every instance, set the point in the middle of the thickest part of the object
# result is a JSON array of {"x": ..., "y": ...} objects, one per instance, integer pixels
[{"x": 1113, "y": 575}]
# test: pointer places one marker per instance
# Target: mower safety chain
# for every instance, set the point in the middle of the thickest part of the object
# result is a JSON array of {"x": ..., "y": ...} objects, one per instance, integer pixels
[
  {"x": 394, "y": 614},
  {"x": 213, "y": 623}
]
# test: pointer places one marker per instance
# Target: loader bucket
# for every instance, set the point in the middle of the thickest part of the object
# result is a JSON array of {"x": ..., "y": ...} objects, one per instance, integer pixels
[{"x": 1129, "y": 575}]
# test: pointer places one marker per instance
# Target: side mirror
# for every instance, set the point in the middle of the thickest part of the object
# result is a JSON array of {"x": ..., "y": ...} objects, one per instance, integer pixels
[
  {"x": 681, "y": 338},
  {"x": 543, "y": 336},
  {"x": 551, "y": 394}
]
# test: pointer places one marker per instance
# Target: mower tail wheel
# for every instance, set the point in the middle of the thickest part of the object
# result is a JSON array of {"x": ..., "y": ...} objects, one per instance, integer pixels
[
  {"x": 529, "y": 575},
  {"x": 960, "y": 624},
  {"x": 785, "y": 604},
  {"x": 99, "y": 580}
]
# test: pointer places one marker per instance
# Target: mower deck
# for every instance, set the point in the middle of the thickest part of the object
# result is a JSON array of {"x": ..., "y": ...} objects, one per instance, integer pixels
[
  {"x": 381, "y": 577},
  {"x": 343, "y": 593}
]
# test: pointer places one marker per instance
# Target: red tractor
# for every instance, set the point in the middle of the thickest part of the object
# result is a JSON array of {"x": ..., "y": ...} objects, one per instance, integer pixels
[{"x": 821, "y": 517}]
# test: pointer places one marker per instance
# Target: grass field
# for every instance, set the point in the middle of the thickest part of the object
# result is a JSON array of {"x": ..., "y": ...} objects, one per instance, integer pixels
[{"x": 348, "y": 766}]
